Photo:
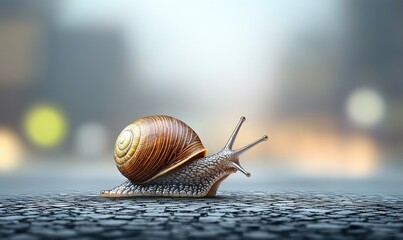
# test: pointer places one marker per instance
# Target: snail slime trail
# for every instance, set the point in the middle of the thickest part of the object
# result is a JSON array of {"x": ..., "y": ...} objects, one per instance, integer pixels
[{"x": 162, "y": 156}]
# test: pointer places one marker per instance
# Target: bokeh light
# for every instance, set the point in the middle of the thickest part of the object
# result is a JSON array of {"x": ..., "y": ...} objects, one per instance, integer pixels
[
  {"x": 318, "y": 149},
  {"x": 45, "y": 125},
  {"x": 365, "y": 107},
  {"x": 10, "y": 150},
  {"x": 91, "y": 140}
]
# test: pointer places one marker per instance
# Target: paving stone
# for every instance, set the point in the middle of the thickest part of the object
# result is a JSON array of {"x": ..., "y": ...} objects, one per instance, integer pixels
[
  {"x": 124, "y": 217},
  {"x": 323, "y": 226},
  {"x": 11, "y": 218},
  {"x": 23, "y": 236},
  {"x": 58, "y": 233},
  {"x": 6, "y": 231},
  {"x": 314, "y": 211},
  {"x": 112, "y": 234},
  {"x": 216, "y": 214},
  {"x": 203, "y": 234},
  {"x": 98, "y": 216},
  {"x": 19, "y": 226},
  {"x": 45, "y": 219},
  {"x": 260, "y": 235},
  {"x": 89, "y": 229},
  {"x": 156, "y": 214},
  {"x": 226, "y": 224},
  {"x": 112, "y": 222},
  {"x": 209, "y": 219},
  {"x": 344, "y": 212},
  {"x": 254, "y": 209},
  {"x": 184, "y": 214}
]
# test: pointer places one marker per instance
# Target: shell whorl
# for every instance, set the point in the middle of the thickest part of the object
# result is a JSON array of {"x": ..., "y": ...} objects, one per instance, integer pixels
[
  {"x": 127, "y": 143},
  {"x": 154, "y": 145}
]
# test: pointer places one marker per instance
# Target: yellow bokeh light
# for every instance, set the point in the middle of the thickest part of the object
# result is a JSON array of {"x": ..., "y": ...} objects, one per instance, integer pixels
[
  {"x": 45, "y": 125},
  {"x": 10, "y": 150}
]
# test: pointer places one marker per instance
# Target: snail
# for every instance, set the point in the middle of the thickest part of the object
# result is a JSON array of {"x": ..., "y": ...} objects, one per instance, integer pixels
[{"x": 162, "y": 156}]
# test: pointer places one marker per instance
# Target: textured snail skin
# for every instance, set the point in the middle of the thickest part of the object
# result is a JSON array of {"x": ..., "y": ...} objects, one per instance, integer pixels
[
  {"x": 198, "y": 177},
  {"x": 193, "y": 179}
]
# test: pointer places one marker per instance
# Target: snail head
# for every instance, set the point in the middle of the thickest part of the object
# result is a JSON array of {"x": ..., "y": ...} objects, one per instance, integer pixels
[{"x": 233, "y": 155}]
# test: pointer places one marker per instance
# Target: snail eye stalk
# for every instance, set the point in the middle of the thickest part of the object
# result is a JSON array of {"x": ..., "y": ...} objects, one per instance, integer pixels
[
  {"x": 251, "y": 145},
  {"x": 231, "y": 139},
  {"x": 241, "y": 169}
]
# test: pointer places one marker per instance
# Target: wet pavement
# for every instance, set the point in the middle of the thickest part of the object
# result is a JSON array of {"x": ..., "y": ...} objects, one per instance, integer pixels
[{"x": 230, "y": 215}]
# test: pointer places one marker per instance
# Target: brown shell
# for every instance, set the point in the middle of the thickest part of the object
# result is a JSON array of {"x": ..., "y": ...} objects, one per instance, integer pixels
[{"x": 154, "y": 145}]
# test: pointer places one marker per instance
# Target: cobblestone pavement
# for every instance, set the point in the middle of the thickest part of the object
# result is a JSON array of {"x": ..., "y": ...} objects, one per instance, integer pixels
[{"x": 241, "y": 215}]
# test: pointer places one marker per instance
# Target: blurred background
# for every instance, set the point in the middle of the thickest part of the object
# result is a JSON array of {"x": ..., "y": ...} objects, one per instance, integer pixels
[{"x": 322, "y": 78}]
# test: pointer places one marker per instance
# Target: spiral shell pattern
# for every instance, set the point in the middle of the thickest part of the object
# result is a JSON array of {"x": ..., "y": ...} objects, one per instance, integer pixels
[{"x": 154, "y": 145}]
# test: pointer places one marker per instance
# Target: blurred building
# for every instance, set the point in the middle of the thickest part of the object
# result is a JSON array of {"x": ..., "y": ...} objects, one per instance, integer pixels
[
  {"x": 82, "y": 70},
  {"x": 375, "y": 58}
]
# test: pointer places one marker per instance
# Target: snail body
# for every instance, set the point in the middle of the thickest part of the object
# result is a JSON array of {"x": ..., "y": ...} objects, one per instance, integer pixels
[{"x": 162, "y": 156}]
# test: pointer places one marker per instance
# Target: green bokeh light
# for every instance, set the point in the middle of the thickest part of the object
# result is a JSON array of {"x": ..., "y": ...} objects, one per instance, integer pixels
[{"x": 45, "y": 125}]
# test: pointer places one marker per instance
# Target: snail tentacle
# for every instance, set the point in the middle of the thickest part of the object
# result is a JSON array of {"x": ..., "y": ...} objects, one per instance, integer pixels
[
  {"x": 232, "y": 138},
  {"x": 251, "y": 145}
]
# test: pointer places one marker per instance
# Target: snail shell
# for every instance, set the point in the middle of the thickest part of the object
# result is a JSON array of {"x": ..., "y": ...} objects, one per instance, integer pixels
[{"x": 154, "y": 145}]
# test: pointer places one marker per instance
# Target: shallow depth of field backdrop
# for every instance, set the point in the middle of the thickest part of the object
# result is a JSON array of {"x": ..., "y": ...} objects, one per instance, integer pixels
[{"x": 324, "y": 79}]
